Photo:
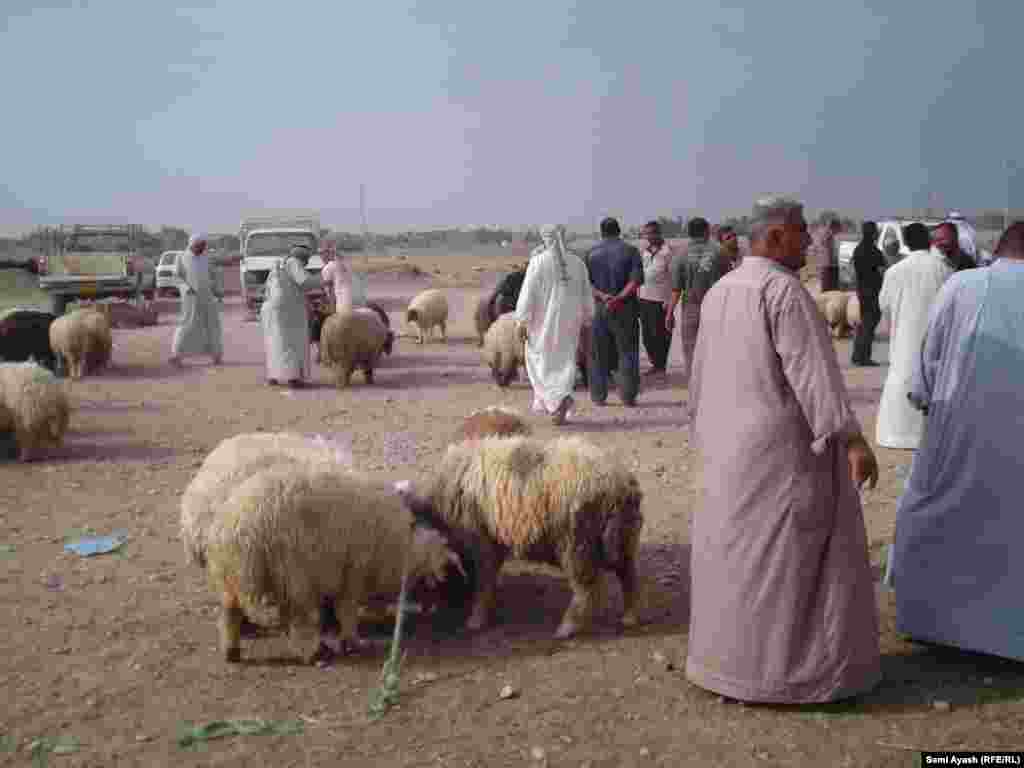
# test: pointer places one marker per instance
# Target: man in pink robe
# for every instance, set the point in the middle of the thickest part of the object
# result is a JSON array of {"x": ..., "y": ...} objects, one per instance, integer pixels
[{"x": 782, "y": 596}]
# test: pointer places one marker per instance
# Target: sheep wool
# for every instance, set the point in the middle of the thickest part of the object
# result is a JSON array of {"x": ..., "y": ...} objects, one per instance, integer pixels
[
  {"x": 375, "y": 310},
  {"x": 236, "y": 459},
  {"x": 493, "y": 421},
  {"x": 427, "y": 310},
  {"x": 503, "y": 350},
  {"x": 564, "y": 502},
  {"x": 832, "y": 305},
  {"x": 34, "y": 406},
  {"x": 482, "y": 318},
  {"x": 81, "y": 340},
  {"x": 351, "y": 340},
  {"x": 299, "y": 535}
]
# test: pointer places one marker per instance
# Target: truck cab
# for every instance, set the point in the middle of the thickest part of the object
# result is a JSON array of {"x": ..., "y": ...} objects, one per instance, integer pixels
[{"x": 266, "y": 240}]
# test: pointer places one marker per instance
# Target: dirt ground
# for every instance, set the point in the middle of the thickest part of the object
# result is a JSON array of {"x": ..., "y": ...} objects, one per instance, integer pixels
[{"x": 119, "y": 651}]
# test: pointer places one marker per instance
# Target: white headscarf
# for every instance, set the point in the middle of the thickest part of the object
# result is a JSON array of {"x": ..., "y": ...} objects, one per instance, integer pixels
[
  {"x": 196, "y": 237},
  {"x": 553, "y": 236}
]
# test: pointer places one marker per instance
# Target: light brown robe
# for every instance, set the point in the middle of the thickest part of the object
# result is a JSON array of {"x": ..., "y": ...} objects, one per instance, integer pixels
[{"x": 783, "y": 602}]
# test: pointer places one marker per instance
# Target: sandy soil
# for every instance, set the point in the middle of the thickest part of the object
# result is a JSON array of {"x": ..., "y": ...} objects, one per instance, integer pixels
[{"x": 119, "y": 650}]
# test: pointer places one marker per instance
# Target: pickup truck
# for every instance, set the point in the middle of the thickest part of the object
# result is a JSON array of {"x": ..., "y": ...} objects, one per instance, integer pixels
[
  {"x": 888, "y": 230},
  {"x": 266, "y": 239},
  {"x": 90, "y": 261}
]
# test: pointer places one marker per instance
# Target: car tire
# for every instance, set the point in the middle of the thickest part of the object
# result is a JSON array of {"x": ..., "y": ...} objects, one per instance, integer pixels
[{"x": 58, "y": 305}]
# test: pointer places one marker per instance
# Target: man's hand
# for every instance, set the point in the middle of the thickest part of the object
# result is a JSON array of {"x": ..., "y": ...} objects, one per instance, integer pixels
[
  {"x": 863, "y": 465},
  {"x": 670, "y": 319}
]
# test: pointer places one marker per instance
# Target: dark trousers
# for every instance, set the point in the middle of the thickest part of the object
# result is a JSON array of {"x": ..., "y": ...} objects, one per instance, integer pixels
[
  {"x": 657, "y": 340},
  {"x": 870, "y": 316},
  {"x": 829, "y": 278},
  {"x": 615, "y": 331}
]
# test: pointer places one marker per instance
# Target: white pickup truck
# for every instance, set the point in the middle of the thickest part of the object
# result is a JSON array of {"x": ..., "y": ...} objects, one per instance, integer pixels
[
  {"x": 266, "y": 239},
  {"x": 888, "y": 230}
]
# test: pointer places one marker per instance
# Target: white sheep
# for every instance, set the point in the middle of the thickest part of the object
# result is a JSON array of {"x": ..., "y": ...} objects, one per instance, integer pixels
[
  {"x": 353, "y": 339},
  {"x": 504, "y": 350},
  {"x": 234, "y": 460},
  {"x": 300, "y": 535},
  {"x": 81, "y": 340},
  {"x": 853, "y": 316},
  {"x": 428, "y": 309},
  {"x": 377, "y": 311},
  {"x": 564, "y": 502},
  {"x": 34, "y": 406}
]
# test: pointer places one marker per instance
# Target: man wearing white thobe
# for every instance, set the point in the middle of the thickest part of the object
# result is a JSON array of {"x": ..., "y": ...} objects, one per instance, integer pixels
[
  {"x": 199, "y": 330},
  {"x": 554, "y": 303},
  {"x": 285, "y": 319},
  {"x": 908, "y": 289}
]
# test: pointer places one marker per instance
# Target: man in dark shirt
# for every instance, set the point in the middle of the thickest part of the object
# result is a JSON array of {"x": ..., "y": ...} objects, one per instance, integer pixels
[
  {"x": 616, "y": 271},
  {"x": 868, "y": 264},
  {"x": 693, "y": 273}
]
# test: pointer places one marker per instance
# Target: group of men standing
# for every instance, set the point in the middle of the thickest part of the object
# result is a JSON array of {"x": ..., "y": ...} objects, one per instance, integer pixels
[{"x": 625, "y": 295}]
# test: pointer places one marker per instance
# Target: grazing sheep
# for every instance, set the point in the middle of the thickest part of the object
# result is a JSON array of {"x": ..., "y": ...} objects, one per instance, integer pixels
[
  {"x": 426, "y": 310},
  {"x": 494, "y": 421},
  {"x": 503, "y": 350},
  {"x": 81, "y": 341},
  {"x": 298, "y": 535},
  {"x": 34, "y": 406},
  {"x": 351, "y": 340},
  {"x": 564, "y": 502},
  {"x": 483, "y": 317},
  {"x": 25, "y": 335},
  {"x": 236, "y": 459},
  {"x": 853, "y": 317}
]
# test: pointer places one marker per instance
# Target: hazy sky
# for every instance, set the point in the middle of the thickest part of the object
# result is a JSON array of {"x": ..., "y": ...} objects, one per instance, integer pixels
[{"x": 467, "y": 112}]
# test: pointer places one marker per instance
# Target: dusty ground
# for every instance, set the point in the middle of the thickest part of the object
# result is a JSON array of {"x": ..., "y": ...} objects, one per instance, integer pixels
[{"x": 119, "y": 651}]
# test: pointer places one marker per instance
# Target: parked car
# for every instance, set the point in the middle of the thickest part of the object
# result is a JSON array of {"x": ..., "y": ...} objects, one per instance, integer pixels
[{"x": 166, "y": 282}]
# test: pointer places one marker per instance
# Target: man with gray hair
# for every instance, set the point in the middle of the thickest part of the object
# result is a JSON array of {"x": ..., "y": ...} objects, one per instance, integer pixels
[{"x": 782, "y": 595}]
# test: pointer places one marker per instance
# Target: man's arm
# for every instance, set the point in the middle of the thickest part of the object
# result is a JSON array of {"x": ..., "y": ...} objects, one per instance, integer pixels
[{"x": 636, "y": 279}]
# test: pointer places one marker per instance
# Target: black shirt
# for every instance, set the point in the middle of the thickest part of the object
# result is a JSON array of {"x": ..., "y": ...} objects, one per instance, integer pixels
[
  {"x": 612, "y": 264},
  {"x": 868, "y": 262}
]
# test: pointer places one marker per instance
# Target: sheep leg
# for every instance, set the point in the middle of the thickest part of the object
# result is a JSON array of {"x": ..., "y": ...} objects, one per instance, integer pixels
[
  {"x": 368, "y": 372},
  {"x": 230, "y": 626},
  {"x": 26, "y": 445},
  {"x": 487, "y": 587},
  {"x": 627, "y": 574},
  {"x": 577, "y": 614},
  {"x": 444, "y": 333},
  {"x": 347, "y": 611}
]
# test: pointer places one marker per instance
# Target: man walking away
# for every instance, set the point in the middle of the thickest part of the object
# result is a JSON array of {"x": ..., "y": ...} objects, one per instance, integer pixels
[
  {"x": 693, "y": 274},
  {"x": 868, "y": 264},
  {"x": 654, "y": 295},
  {"x": 616, "y": 271}
]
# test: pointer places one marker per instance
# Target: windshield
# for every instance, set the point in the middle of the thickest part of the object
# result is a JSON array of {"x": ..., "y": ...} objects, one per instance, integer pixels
[
  {"x": 168, "y": 258},
  {"x": 99, "y": 242},
  {"x": 277, "y": 243}
]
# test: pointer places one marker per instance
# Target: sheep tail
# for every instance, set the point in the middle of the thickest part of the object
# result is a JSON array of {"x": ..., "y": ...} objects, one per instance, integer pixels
[{"x": 411, "y": 315}]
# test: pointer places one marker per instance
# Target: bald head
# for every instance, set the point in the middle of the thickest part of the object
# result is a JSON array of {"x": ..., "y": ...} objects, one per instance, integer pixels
[{"x": 1011, "y": 244}]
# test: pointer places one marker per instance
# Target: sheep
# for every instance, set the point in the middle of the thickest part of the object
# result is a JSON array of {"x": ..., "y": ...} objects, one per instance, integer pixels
[
  {"x": 493, "y": 421},
  {"x": 564, "y": 502},
  {"x": 832, "y": 305},
  {"x": 483, "y": 317},
  {"x": 853, "y": 317},
  {"x": 298, "y": 535},
  {"x": 376, "y": 310},
  {"x": 34, "y": 406},
  {"x": 504, "y": 351},
  {"x": 428, "y": 309},
  {"x": 25, "y": 335},
  {"x": 81, "y": 341},
  {"x": 351, "y": 340}
]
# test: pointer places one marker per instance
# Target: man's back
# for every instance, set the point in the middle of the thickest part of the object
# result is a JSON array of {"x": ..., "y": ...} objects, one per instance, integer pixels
[
  {"x": 910, "y": 286},
  {"x": 612, "y": 263},
  {"x": 698, "y": 268}
]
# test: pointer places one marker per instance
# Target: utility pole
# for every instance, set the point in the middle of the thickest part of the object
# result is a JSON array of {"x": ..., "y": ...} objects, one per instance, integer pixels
[
  {"x": 362, "y": 216},
  {"x": 1006, "y": 214}
]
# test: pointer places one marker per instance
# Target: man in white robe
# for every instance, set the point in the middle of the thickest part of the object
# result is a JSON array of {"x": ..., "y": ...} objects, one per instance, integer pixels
[
  {"x": 554, "y": 303},
  {"x": 908, "y": 290},
  {"x": 285, "y": 319},
  {"x": 337, "y": 276},
  {"x": 959, "y": 523},
  {"x": 199, "y": 330}
]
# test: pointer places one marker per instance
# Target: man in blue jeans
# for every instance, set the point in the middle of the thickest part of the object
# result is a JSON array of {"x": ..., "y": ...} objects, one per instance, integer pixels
[{"x": 616, "y": 271}]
